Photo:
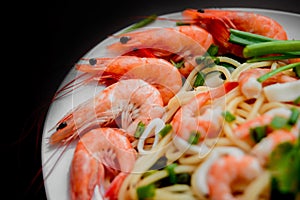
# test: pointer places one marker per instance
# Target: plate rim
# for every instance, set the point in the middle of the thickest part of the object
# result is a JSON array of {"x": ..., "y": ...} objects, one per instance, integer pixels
[{"x": 50, "y": 109}]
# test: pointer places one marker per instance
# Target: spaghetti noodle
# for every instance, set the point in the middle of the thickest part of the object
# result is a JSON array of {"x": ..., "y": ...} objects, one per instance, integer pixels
[{"x": 176, "y": 168}]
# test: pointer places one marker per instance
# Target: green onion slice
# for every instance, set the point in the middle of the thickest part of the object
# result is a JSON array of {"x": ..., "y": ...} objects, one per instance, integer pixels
[
  {"x": 194, "y": 137},
  {"x": 200, "y": 79},
  {"x": 146, "y": 192},
  {"x": 294, "y": 116},
  {"x": 172, "y": 175},
  {"x": 228, "y": 116},
  {"x": 163, "y": 132},
  {"x": 141, "y": 23},
  {"x": 279, "y": 122},
  {"x": 139, "y": 130},
  {"x": 258, "y": 133}
]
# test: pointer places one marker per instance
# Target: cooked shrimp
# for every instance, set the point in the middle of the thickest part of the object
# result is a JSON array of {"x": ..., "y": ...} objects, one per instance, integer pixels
[
  {"x": 101, "y": 154},
  {"x": 130, "y": 101},
  {"x": 218, "y": 22},
  {"x": 158, "y": 72},
  {"x": 188, "y": 119},
  {"x": 199, "y": 179},
  {"x": 169, "y": 43},
  {"x": 251, "y": 88},
  {"x": 263, "y": 149},
  {"x": 228, "y": 169},
  {"x": 243, "y": 131}
]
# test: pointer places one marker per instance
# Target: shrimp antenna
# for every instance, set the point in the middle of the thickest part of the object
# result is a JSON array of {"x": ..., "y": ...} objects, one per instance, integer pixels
[
  {"x": 64, "y": 146},
  {"x": 72, "y": 86}
]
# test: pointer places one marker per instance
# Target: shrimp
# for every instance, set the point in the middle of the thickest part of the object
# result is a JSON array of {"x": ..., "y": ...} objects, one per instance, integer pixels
[
  {"x": 158, "y": 72},
  {"x": 177, "y": 43},
  {"x": 243, "y": 131},
  {"x": 252, "y": 88},
  {"x": 219, "y": 22},
  {"x": 128, "y": 102},
  {"x": 188, "y": 120},
  {"x": 101, "y": 154},
  {"x": 263, "y": 149},
  {"x": 237, "y": 169}
]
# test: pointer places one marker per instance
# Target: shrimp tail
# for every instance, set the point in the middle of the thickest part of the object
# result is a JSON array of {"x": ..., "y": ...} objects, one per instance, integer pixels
[{"x": 113, "y": 191}]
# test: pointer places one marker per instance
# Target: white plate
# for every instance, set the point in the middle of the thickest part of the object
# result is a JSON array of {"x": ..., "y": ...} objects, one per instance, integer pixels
[{"x": 56, "y": 168}]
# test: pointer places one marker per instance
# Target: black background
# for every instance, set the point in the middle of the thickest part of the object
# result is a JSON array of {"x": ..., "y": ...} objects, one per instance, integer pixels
[{"x": 42, "y": 41}]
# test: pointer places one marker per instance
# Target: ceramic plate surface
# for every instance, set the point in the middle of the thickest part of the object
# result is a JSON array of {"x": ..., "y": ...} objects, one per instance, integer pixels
[{"x": 57, "y": 161}]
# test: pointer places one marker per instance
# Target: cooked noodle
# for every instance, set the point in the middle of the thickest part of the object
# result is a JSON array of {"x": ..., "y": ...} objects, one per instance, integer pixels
[{"x": 188, "y": 158}]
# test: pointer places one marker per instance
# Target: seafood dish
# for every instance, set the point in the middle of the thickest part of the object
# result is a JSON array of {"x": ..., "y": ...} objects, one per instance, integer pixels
[{"x": 201, "y": 104}]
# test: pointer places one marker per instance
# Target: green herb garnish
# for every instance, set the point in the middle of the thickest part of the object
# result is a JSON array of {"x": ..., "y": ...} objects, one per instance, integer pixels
[
  {"x": 139, "y": 130},
  {"x": 200, "y": 79},
  {"x": 172, "y": 175},
  {"x": 273, "y": 47},
  {"x": 194, "y": 137},
  {"x": 146, "y": 192},
  {"x": 297, "y": 101},
  {"x": 294, "y": 116},
  {"x": 246, "y": 38},
  {"x": 141, "y": 23},
  {"x": 279, "y": 122},
  {"x": 178, "y": 65},
  {"x": 207, "y": 61},
  {"x": 284, "y": 164},
  {"x": 163, "y": 132},
  {"x": 276, "y": 71},
  {"x": 228, "y": 116},
  {"x": 260, "y": 47},
  {"x": 213, "y": 50},
  {"x": 258, "y": 133}
]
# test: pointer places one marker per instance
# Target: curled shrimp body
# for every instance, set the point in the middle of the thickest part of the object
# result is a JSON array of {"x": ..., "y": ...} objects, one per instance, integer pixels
[
  {"x": 189, "y": 118},
  {"x": 218, "y": 22},
  {"x": 252, "y": 88},
  {"x": 99, "y": 153},
  {"x": 127, "y": 102},
  {"x": 229, "y": 169},
  {"x": 169, "y": 43},
  {"x": 158, "y": 72}
]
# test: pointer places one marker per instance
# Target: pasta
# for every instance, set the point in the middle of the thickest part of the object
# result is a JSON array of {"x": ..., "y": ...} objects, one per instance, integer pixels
[{"x": 193, "y": 161}]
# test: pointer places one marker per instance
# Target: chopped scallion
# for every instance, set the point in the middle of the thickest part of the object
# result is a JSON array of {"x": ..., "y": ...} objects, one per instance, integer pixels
[
  {"x": 194, "y": 137},
  {"x": 294, "y": 116},
  {"x": 297, "y": 101},
  {"x": 139, "y": 130},
  {"x": 163, "y": 132},
  {"x": 213, "y": 50},
  {"x": 172, "y": 175},
  {"x": 281, "y": 57},
  {"x": 258, "y": 133},
  {"x": 178, "y": 65},
  {"x": 182, "y": 23},
  {"x": 228, "y": 116},
  {"x": 141, "y": 23},
  {"x": 245, "y": 38},
  {"x": 297, "y": 71},
  {"x": 207, "y": 61},
  {"x": 279, "y": 122},
  {"x": 200, "y": 79},
  {"x": 272, "y": 47},
  {"x": 276, "y": 71},
  {"x": 146, "y": 192}
]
